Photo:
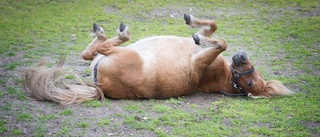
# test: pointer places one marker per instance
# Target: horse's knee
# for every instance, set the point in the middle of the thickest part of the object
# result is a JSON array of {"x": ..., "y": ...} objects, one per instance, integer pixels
[
  {"x": 89, "y": 54},
  {"x": 86, "y": 56},
  {"x": 223, "y": 44},
  {"x": 206, "y": 42}
]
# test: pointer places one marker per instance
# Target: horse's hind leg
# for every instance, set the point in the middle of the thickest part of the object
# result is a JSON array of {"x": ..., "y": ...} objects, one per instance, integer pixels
[
  {"x": 109, "y": 46},
  {"x": 211, "y": 48},
  {"x": 208, "y": 27}
]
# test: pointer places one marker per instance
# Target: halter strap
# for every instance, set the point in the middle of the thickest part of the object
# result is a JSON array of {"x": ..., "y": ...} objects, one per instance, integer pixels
[
  {"x": 235, "y": 79},
  {"x": 95, "y": 71},
  {"x": 237, "y": 74}
]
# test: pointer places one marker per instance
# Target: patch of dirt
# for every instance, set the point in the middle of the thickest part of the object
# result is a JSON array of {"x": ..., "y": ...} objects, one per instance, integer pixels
[
  {"x": 312, "y": 126},
  {"x": 311, "y": 13}
]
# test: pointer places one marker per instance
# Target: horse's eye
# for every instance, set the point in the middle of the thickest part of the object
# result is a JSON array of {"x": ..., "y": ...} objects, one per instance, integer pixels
[{"x": 250, "y": 83}]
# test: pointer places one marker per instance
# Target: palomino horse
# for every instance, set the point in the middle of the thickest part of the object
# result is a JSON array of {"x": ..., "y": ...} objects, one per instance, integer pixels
[{"x": 156, "y": 67}]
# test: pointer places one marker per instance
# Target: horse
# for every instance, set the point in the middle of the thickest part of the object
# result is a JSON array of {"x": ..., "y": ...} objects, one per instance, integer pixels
[{"x": 156, "y": 67}]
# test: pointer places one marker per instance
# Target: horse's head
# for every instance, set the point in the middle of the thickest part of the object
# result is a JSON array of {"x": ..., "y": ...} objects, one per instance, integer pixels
[
  {"x": 249, "y": 81},
  {"x": 99, "y": 37}
]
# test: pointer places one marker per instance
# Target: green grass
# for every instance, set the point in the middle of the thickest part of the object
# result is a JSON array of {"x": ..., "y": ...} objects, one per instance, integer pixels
[
  {"x": 24, "y": 117},
  {"x": 2, "y": 81},
  {"x": 161, "y": 108},
  {"x": 69, "y": 77},
  {"x": 282, "y": 38},
  {"x": 48, "y": 117},
  {"x": 6, "y": 106},
  {"x": 66, "y": 112},
  {"x": 86, "y": 72},
  {"x": 18, "y": 93},
  {"x": 134, "y": 107},
  {"x": 3, "y": 126},
  {"x": 40, "y": 130},
  {"x": 83, "y": 124},
  {"x": 104, "y": 122},
  {"x": 12, "y": 66},
  {"x": 93, "y": 103},
  {"x": 12, "y": 90},
  {"x": 17, "y": 132}
]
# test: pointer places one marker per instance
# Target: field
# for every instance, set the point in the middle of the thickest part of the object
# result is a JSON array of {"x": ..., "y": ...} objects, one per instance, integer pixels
[{"x": 282, "y": 39}]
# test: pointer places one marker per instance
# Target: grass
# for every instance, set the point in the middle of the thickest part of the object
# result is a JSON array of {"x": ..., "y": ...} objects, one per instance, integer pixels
[
  {"x": 161, "y": 108},
  {"x": 69, "y": 77},
  {"x": 134, "y": 107},
  {"x": 86, "y": 72},
  {"x": 17, "y": 132},
  {"x": 83, "y": 124},
  {"x": 104, "y": 122},
  {"x": 66, "y": 112},
  {"x": 24, "y": 117},
  {"x": 281, "y": 37},
  {"x": 2, "y": 126},
  {"x": 93, "y": 103},
  {"x": 14, "y": 91},
  {"x": 47, "y": 117}
]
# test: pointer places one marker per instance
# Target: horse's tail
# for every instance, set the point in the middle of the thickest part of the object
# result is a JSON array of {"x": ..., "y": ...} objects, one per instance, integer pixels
[{"x": 50, "y": 84}]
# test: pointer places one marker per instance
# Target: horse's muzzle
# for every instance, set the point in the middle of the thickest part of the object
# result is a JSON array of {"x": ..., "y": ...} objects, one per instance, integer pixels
[{"x": 240, "y": 58}]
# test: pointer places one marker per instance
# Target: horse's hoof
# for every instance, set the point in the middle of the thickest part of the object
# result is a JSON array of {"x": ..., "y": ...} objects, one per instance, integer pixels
[
  {"x": 96, "y": 28},
  {"x": 122, "y": 27},
  {"x": 196, "y": 38},
  {"x": 187, "y": 18}
]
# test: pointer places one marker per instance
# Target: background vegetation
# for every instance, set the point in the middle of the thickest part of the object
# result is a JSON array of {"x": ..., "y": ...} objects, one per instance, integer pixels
[{"x": 282, "y": 38}]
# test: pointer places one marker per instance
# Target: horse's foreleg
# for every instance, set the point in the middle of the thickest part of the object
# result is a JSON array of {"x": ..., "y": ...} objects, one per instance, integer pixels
[
  {"x": 210, "y": 49},
  {"x": 208, "y": 27},
  {"x": 89, "y": 53},
  {"x": 109, "y": 45}
]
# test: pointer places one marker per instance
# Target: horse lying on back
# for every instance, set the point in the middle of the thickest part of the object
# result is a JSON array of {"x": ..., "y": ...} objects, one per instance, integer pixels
[{"x": 155, "y": 67}]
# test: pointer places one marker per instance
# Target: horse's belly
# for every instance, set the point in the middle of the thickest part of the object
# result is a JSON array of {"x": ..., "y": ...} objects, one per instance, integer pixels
[
  {"x": 167, "y": 64},
  {"x": 166, "y": 69}
]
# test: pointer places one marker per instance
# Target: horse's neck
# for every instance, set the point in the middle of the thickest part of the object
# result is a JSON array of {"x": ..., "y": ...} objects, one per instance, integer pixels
[{"x": 229, "y": 86}]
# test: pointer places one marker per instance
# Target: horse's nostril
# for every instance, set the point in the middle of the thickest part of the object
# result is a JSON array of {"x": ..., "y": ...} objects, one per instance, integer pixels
[{"x": 243, "y": 58}]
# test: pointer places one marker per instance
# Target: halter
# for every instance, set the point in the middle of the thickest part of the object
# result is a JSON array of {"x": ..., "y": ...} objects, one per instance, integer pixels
[
  {"x": 95, "y": 71},
  {"x": 235, "y": 80}
]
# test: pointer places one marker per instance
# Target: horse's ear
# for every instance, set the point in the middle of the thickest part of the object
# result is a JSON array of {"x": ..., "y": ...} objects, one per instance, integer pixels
[
  {"x": 96, "y": 28},
  {"x": 273, "y": 88}
]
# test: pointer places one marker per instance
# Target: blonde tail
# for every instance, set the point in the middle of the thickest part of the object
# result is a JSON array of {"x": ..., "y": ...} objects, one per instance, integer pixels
[{"x": 49, "y": 84}]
